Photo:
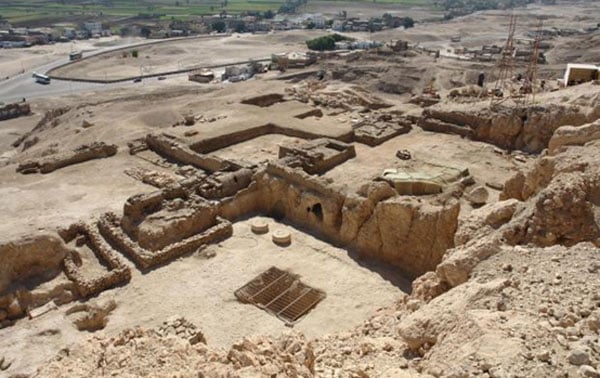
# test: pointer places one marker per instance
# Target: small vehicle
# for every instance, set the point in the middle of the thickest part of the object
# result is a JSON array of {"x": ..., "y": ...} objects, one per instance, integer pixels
[
  {"x": 41, "y": 79},
  {"x": 161, "y": 78},
  {"x": 137, "y": 80}
]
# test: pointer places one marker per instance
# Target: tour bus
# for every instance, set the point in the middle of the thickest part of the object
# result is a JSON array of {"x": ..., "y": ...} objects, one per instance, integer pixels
[{"x": 42, "y": 79}]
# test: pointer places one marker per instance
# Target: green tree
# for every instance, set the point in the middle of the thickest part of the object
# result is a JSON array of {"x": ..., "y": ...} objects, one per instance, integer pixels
[
  {"x": 408, "y": 22},
  {"x": 219, "y": 26},
  {"x": 240, "y": 27},
  {"x": 145, "y": 31},
  {"x": 326, "y": 42}
]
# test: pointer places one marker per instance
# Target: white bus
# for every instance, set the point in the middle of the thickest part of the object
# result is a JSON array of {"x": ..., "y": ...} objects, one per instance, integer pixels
[{"x": 42, "y": 79}]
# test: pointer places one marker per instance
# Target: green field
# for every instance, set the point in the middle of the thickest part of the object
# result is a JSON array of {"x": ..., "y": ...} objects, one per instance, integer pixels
[{"x": 30, "y": 11}]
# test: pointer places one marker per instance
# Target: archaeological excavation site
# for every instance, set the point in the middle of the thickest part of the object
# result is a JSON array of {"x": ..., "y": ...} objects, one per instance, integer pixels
[{"x": 354, "y": 219}]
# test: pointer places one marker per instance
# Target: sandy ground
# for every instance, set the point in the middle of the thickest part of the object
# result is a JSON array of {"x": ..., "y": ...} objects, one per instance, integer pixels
[
  {"x": 11, "y": 130},
  {"x": 473, "y": 34},
  {"x": 257, "y": 150},
  {"x": 37, "y": 202},
  {"x": 188, "y": 53},
  {"x": 202, "y": 290}
]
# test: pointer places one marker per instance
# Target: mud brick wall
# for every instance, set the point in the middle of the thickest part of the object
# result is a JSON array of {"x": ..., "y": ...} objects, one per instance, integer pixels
[
  {"x": 82, "y": 153},
  {"x": 109, "y": 227},
  {"x": 298, "y": 177},
  {"x": 14, "y": 110},
  {"x": 212, "y": 144},
  {"x": 87, "y": 286},
  {"x": 375, "y": 134},
  {"x": 173, "y": 150}
]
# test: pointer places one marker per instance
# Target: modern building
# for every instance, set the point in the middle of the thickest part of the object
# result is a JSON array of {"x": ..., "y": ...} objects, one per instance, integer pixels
[{"x": 580, "y": 73}]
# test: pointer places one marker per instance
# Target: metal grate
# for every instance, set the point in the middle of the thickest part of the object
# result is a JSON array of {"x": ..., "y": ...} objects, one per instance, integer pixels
[{"x": 281, "y": 294}]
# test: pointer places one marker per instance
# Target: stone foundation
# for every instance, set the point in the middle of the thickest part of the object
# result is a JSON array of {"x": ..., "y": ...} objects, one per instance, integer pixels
[
  {"x": 87, "y": 286},
  {"x": 317, "y": 156},
  {"x": 144, "y": 259}
]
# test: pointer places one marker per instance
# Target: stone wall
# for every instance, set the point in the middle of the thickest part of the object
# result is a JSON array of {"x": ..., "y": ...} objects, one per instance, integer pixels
[
  {"x": 144, "y": 259},
  {"x": 216, "y": 143},
  {"x": 522, "y": 128},
  {"x": 177, "y": 220},
  {"x": 87, "y": 286},
  {"x": 172, "y": 149},
  {"x": 39, "y": 255},
  {"x": 31, "y": 260},
  {"x": 383, "y": 128},
  {"x": 82, "y": 153},
  {"x": 225, "y": 184},
  {"x": 138, "y": 205},
  {"x": 408, "y": 233},
  {"x": 319, "y": 155},
  {"x": 14, "y": 110},
  {"x": 264, "y": 100},
  {"x": 246, "y": 202}
]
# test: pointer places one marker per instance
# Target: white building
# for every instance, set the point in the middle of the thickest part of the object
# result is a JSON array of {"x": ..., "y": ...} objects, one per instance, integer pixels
[
  {"x": 580, "y": 73},
  {"x": 93, "y": 27}
]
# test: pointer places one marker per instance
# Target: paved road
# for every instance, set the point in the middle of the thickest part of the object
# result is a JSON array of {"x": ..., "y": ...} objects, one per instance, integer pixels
[
  {"x": 17, "y": 87},
  {"x": 23, "y": 85}
]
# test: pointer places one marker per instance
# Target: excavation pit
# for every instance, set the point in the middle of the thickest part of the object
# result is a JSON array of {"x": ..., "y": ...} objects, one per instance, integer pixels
[
  {"x": 155, "y": 159},
  {"x": 202, "y": 290},
  {"x": 264, "y": 101},
  {"x": 261, "y": 149}
]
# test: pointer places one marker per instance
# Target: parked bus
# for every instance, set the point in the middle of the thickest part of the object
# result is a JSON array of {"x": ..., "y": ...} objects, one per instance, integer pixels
[{"x": 41, "y": 79}]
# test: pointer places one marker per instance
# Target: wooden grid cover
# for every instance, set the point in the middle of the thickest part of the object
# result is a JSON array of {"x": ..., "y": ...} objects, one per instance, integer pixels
[{"x": 281, "y": 294}]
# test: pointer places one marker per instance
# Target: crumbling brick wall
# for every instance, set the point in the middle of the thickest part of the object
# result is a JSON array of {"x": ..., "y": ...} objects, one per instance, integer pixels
[
  {"x": 96, "y": 150},
  {"x": 87, "y": 286}
]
